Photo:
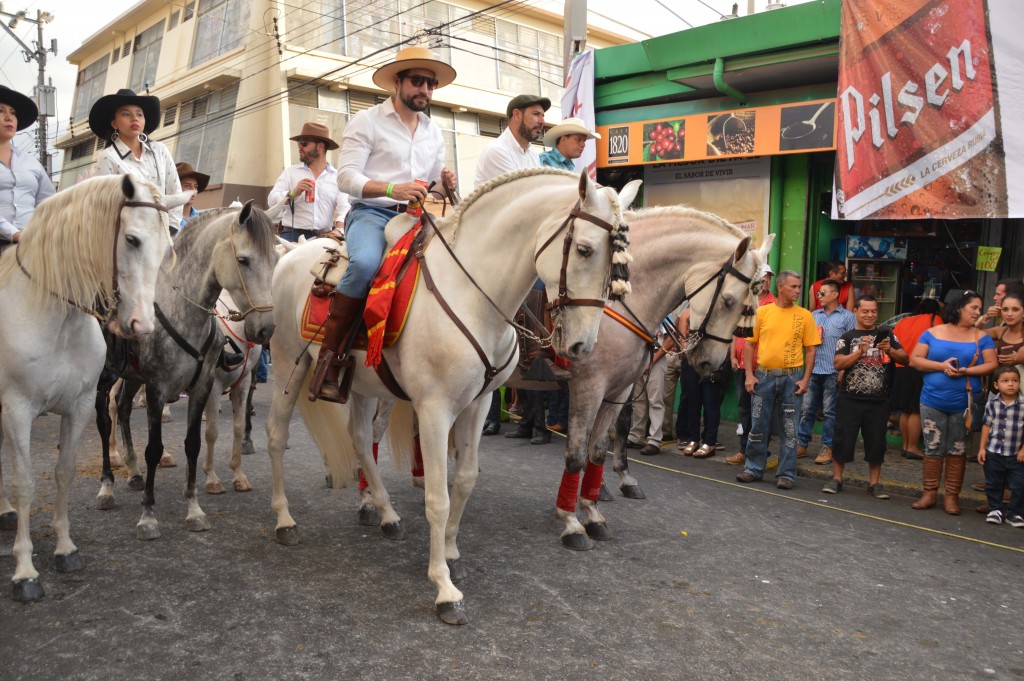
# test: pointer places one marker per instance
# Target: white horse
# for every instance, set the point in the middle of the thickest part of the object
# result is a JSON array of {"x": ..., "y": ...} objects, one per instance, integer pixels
[
  {"x": 500, "y": 236},
  {"x": 103, "y": 239},
  {"x": 679, "y": 254}
]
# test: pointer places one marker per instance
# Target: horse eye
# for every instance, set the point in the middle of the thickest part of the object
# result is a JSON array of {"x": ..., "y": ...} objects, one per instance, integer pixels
[
  {"x": 243, "y": 261},
  {"x": 728, "y": 300},
  {"x": 132, "y": 240},
  {"x": 584, "y": 251}
]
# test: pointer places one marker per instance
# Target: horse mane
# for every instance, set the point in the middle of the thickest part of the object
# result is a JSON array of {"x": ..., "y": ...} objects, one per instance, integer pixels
[
  {"x": 80, "y": 222},
  {"x": 258, "y": 226},
  {"x": 499, "y": 181},
  {"x": 685, "y": 212}
]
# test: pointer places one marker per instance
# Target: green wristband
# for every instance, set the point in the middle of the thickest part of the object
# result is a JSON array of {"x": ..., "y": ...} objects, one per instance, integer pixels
[{"x": 391, "y": 186}]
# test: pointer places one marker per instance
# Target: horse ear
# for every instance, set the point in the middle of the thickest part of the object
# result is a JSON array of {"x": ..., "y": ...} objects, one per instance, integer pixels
[
  {"x": 629, "y": 193},
  {"x": 586, "y": 186},
  {"x": 741, "y": 249},
  {"x": 245, "y": 213},
  {"x": 128, "y": 187}
]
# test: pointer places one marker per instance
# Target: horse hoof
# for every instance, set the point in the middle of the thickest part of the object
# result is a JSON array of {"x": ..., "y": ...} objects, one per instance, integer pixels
[
  {"x": 288, "y": 536},
  {"x": 136, "y": 483},
  {"x": 453, "y": 613},
  {"x": 457, "y": 571},
  {"x": 105, "y": 503},
  {"x": 417, "y": 481},
  {"x": 604, "y": 494},
  {"x": 247, "y": 448},
  {"x": 329, "y": 481},
  {"x": 368, "y": 516},
  {"x": 71, "y": 562},
  {"x": 28, "y": 590},
  {"x": 147, "y": 532},
  {"x": 9, "y": 520},
  {"x": 199, "y": 523},
  {"x": 215, "y": 488},
  {"x": 393, "y": 531},
  {"x": 598, "y": 531},
  {"x": 577, "y": 541},
  {"x": 633, "y": 492},
  {"x": 167, "y": 461},
  {"x": 243, "y": 486}
]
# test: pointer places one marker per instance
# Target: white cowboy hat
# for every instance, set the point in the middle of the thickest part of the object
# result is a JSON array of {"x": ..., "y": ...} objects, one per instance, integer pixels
[
  {"x": 413, "y": 58},
  {"x": 570, "y": 126}
]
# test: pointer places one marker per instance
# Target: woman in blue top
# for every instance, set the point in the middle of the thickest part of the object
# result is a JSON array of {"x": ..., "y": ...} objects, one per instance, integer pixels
[{"x": 952, "y": 356}]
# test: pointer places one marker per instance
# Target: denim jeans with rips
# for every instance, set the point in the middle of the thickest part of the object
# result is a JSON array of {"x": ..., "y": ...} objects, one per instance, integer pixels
[
  {"x": 771, "y": 389},
  {"x": 821, "y": 391}
]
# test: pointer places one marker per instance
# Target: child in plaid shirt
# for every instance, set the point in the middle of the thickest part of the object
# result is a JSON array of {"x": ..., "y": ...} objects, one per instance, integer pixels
[{"x": 1002, "y": 448}]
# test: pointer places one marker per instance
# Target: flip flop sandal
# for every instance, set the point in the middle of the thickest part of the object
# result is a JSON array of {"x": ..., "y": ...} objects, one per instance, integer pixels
[
  {"x": 688, "y": 448},
  {"x": 705, "y": 451}
]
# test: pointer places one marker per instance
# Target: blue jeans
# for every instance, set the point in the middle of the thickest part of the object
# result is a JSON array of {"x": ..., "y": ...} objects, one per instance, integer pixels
[
  {"x": 821, "y": 391},
  {"x": 263, "y": 367},
  {"x": 1002, "y": 472},
  {"x": 769, "y": 391},
  {"x": 364, "y": 236}
]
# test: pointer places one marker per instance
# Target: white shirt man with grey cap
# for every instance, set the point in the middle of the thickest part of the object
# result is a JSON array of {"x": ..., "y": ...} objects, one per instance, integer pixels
[{"x": 513, "y": 150}]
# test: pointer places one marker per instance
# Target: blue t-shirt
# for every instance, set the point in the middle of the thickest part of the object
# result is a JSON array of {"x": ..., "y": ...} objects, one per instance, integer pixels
[{"x": 940, "y": 391}]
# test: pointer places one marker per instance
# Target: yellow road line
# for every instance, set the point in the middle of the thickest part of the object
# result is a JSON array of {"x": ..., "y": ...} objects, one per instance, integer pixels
[{"x": 832, "y": 508}]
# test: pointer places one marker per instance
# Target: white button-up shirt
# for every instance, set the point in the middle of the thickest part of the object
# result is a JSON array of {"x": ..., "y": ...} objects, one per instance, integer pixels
[
  {"x": 378, "y": 146},
  {"x": 156, "y": 165},
  {"x": 329, "y": 204},
  {"x": 23, "y": 185},
  {"x": 504, "y": 155}
]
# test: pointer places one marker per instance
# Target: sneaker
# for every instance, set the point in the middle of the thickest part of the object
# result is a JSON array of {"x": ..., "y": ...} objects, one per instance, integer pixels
[
  {"x": 833, "y": 487},
  {"x": 877, "y": 491},
  {"x": 801, "y": 451},
  {"x": 736, "y": 459},
  {"x": 1016, "y": 521},
  {"x": 747, "y": 476},
  {"x": 784, "y": 483},
  {"x": 824, "y": 456},
  {"x": 995, "y": 517}
]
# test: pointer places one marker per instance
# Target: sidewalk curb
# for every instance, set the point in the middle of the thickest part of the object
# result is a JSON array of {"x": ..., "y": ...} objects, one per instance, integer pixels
[{"x": 906, "y": 489}]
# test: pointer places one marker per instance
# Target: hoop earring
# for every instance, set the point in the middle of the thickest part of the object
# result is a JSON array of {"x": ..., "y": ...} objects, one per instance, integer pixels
[
  {"x": 114, "y": 136},
  {"x": 143, "y": 137}
]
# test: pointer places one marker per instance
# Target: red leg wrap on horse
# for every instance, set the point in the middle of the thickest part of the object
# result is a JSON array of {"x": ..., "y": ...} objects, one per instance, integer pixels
[
  {"x": 375, "y": 446},
  {"x": 362, "y": 478},
  {"x": 592, "y": 477},
  {"x": 568, "y": 491},
  {"x": 417, "y": 458}
]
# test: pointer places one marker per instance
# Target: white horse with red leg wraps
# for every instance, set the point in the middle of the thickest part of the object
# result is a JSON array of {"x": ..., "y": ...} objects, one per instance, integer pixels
[
  {"x": 678, "y": 254},
  {"x": 103, "y": 239},
  {"x": 505, "y": 235}
]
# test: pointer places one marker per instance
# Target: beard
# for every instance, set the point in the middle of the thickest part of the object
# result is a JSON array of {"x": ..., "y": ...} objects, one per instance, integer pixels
[
  {"x": 530, "y": 135},
  {"x": 412, "y": 104}
]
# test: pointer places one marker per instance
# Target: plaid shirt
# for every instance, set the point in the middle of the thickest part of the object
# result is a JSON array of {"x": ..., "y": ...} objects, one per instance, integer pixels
[{"x": 1006, "y": 425}]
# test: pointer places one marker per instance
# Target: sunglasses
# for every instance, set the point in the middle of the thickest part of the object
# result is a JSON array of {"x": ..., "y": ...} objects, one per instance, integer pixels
[
  {"x": 303, "y": 143},
  {"x": 820, "y": 294},
  {"x": 418, "y": 81}
]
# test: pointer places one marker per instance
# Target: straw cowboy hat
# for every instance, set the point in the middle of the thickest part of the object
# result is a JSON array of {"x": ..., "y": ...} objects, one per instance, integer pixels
[
  {"x": 185, "y": 169},
  {"x": 24, "y": 108},
  {"x": 102, "y": 112},
  {"x": 413, "y": 58},
  {"x": 318, "y": 132},
  {"x": 570, "y": 126}
]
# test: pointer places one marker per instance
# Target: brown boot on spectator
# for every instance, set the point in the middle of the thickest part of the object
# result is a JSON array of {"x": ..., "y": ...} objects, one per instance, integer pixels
[
  {"x": 930, "y": 484},
  {"x": 955, "y": 466}
]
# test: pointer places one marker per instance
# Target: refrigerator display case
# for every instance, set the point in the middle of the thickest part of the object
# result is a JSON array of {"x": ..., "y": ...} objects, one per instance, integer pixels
[{"x": 874, "y": 266}]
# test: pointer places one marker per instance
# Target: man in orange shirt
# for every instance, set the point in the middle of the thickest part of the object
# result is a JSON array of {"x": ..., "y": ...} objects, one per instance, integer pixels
[
  {"x": 784, "y": 343},
  {"x": 836, "y": 272}
]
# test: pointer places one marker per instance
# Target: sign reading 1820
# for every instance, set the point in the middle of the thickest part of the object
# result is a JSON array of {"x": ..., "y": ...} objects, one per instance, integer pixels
[{"x": 618, "y": 145}]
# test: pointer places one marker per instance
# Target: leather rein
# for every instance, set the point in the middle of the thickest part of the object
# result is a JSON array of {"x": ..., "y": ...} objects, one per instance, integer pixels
[{"x": 115, "y": 289}]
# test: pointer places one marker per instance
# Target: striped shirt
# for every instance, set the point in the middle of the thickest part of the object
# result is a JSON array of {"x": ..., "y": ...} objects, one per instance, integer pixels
[
  {"x": 1006, "y": 425},
  {"x": 831, "y": 326}
]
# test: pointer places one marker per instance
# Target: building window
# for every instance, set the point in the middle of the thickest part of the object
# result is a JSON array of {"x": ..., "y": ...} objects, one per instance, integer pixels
[
  {"x": 126, "y": 49},
  {"x": 472, "y": 50},
  {"x": 170, "y": 115},
  {"x": 173, "y": 21},
  {"x": 302, "y": 93},
  {"x": 442, "y": 117},
  {"x": 418, "y": 17},
  {"x": 83, "y": 149},
  {"x": 318, "y": 25},
  {"x": 373, "y": 27},
  {"x": 223, "y": 26},
  {"x": 188, "y": 12},
  {"x": 147, "y": 53},
  {"x": 115, "y": 55},
  {"x": 490, "y": 126},
  {"x": 205, "y": 123},
  {"x": 92, "y": 81}
]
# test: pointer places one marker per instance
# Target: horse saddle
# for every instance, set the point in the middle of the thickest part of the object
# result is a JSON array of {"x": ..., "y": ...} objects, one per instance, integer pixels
[{"x": 329, "y": 270}]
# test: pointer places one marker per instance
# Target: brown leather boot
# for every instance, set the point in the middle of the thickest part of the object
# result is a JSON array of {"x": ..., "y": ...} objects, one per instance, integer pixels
[
  {"x": 930, "y": 484},
  {"x": 955, "y": 466},
  {"x": 343, "y": 313}
]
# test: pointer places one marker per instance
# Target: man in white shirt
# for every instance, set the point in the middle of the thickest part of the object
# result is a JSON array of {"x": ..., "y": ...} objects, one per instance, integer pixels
[
  {"x": 315, "y": 205},
  {"x": 384, "y": 151},
  {"x": 513, "y": 149}
]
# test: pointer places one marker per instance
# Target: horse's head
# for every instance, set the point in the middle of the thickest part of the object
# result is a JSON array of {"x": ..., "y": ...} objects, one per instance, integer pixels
[
  {"x": 142, "y": 244},
  {"x": 244, "y": 263},
  {"x": 719, "y": 302},
  {"x": 590, "y": 266}
]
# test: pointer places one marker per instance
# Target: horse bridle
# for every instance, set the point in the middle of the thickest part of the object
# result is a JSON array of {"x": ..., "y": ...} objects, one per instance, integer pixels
[
  {"x": 719, "y": 276},
  {"x": 563, "y": 299}
]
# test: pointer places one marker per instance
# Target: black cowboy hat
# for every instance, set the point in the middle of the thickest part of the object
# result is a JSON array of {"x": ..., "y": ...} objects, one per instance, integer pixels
[
  {"x": 102, "y": 112},
  {"x": 24, "y": 108}
]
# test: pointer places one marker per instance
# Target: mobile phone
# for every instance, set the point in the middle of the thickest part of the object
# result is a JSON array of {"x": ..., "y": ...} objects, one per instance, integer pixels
[
  {"x": 880, "y": 336},
  {"x": 956, "y": 363}
]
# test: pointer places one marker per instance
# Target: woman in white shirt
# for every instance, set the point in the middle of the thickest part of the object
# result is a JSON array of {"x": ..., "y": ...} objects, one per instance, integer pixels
[
  {"x": 23, "y": 181},
  {"x": 125, "y": 120}
]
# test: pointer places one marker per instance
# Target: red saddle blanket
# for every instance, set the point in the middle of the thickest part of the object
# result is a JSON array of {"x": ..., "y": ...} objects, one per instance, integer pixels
[{"x": 395, "y": 312}]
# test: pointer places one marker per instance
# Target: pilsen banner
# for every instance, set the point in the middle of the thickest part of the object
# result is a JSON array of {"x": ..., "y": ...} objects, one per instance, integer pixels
[{"x": 931, "y": 107}]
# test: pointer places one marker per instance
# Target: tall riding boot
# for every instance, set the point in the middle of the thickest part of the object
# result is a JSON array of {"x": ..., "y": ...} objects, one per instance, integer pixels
[
  {"x": 932, "y": 475},
  {"x": 955, "y": 466},
  {"x": 344, "y": 312}
]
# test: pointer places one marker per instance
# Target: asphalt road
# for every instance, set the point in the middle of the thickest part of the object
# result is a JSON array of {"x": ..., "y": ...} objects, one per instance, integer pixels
[{"x": 762, "y": 585}]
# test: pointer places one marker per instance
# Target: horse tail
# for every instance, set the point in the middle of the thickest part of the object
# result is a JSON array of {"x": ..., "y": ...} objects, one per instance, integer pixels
[
  {"x": 400, "y": 433},
  {"x": 327, "y": 423}
]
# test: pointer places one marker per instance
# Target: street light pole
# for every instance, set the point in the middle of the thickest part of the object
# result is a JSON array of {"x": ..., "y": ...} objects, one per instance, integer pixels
[{"x": 44, "y": 93}]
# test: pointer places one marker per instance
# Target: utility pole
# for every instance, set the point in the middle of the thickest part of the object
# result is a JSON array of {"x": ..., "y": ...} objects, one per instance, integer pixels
[{"x": 44, "y": 94}]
